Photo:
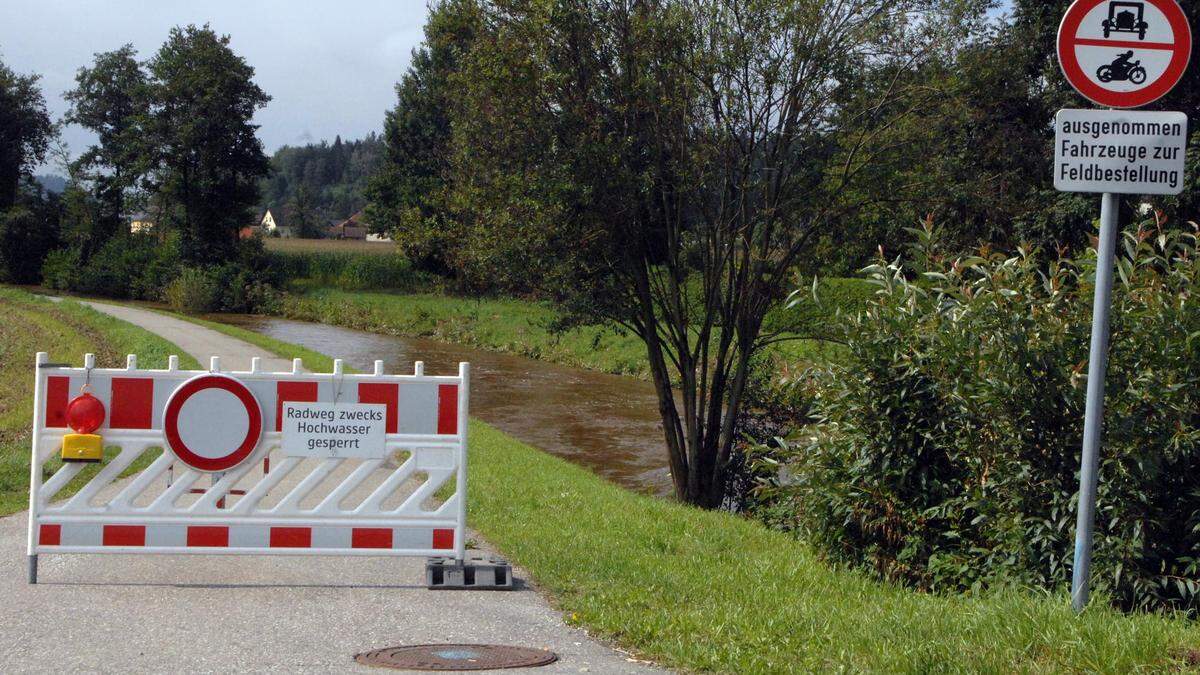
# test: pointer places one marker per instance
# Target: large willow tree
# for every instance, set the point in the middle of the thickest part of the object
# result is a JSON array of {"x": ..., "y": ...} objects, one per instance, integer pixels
[{"x": 662, "y": 164}]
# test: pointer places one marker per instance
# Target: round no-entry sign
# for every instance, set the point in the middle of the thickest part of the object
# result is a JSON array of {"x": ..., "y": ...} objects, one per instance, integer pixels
[
  {"x": 212, "y": 422},
  {"x": 1124, "y": 53}
]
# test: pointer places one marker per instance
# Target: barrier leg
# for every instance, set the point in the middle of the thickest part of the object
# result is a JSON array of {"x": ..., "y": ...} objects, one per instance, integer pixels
[
  {"x": 32, "y": 568},
  {"x": 477, "y": 572}
]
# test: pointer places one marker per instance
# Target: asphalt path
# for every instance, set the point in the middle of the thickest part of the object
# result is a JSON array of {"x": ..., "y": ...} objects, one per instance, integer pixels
[{"x": 201, "y": 613}]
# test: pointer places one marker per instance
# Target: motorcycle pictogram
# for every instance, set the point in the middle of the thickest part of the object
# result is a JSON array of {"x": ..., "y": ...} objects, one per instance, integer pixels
[{"x": 1122, "y": 68}]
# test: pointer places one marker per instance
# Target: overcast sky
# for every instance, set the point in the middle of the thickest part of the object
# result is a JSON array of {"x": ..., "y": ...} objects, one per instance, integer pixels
[{"x": 330, "y": 66}]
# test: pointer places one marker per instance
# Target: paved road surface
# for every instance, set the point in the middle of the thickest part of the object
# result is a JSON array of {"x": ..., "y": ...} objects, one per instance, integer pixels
[{"x": 115, "y": 613}]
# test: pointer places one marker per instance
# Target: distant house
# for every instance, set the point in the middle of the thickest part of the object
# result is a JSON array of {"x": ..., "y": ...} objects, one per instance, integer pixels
[
  {"x": 353, "y": 227},
  {"x": 272, "y": 225},
  {"x": 140, "y": 223}
]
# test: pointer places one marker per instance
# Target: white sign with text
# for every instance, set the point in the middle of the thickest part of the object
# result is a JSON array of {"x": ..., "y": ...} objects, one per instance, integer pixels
[
  {"x": 1120, "y": 151},
  {"x": 334, "y": 430}
]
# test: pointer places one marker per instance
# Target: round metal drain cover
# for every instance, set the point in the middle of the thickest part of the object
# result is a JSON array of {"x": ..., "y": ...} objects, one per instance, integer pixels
[{"x": 456, "y": 657}]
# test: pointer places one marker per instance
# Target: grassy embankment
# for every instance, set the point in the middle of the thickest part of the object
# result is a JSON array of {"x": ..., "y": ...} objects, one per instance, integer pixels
[
  {"x": 67, "y": 330},
  {"x": 705, "y": 591},
  {"x": 330, "y": 283},
  {"x": 524, "y": 327}
]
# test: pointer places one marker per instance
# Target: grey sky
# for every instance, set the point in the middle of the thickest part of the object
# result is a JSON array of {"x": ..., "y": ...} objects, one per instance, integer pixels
[{"x": 329, "y": 66}]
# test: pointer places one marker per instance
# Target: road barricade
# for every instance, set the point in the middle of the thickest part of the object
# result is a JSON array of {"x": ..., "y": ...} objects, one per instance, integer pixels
[{"x": 247, "y": 462}]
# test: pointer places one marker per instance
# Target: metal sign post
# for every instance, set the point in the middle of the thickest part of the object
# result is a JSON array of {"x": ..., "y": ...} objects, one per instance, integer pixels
[
  {"x": 1121, "y": 55},
  {"x": 1093, "y": 420}
]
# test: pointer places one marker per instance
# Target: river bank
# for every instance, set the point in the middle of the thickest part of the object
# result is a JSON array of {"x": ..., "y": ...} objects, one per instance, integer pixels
[
  {"x": 708, "y": 591},
  {"x": 527, "y": 328}
]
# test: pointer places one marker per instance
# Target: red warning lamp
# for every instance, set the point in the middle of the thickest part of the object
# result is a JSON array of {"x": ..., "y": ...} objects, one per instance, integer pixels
[{"x": 85, "y": 414}]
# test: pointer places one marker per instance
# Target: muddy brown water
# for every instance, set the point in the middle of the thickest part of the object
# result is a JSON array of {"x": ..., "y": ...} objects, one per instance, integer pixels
[{"x": 607, "y": 423}]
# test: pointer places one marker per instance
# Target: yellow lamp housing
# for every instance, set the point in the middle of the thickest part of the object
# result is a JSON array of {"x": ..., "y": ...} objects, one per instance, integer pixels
[{"x": 82, "y": 448}]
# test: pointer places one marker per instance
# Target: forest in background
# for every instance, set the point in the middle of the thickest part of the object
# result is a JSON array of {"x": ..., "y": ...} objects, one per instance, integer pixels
[{"x": 321, "y": 182}]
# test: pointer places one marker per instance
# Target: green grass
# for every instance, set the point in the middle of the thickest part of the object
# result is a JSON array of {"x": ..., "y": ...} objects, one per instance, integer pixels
[
  {"x": 67, "y": 330},
  {"x": 705, "y": 591},
  {"x": 701, "y": 590},
  {"x": 524, "y": 327},
  {"x": 502, "y": 325}
]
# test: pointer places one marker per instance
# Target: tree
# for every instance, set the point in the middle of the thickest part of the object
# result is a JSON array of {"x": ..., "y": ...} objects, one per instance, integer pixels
[
  {"x": 204, "y": 157},
  {"x": 665, "y": 164},
  {"x": 335, "y": 175},
  {"x": 303, "y": 215},
  {"x": 110, "y": 98},
  {"x": 409, "y": 196},
  {"x": 28, "y": 231},
  {"x": 25, "y": 131}
]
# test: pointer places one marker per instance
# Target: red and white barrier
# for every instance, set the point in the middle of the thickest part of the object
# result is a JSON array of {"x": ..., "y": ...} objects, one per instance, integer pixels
[{"x": 223, "y": 483}]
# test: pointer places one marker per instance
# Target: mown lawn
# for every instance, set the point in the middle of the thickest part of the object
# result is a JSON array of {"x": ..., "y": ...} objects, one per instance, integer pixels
[
  {"x": 712, "y": 591},
  {"x": 67, "y": 330},
  {"x": 703, "y": 591}
]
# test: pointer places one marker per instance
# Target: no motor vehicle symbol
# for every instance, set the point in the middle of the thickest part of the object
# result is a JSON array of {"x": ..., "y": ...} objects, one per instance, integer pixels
[
  {"x": 212, "y": 422},
  {"x": 1124, "y": 53}
]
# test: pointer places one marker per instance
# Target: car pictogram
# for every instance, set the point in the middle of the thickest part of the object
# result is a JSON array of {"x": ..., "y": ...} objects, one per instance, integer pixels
[{"x": 1126, "y": 17}]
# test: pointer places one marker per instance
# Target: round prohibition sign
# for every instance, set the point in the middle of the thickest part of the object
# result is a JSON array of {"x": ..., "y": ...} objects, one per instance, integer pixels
[
  {"x": 212, "y": 422},
  {"x": 1124, "y": 53}
]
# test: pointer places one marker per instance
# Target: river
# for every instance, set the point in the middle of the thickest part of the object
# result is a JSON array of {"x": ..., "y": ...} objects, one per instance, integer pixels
[{"x": 607, "y": 423}]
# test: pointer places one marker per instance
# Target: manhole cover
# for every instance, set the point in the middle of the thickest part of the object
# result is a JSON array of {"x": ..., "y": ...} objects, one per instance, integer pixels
[{"x": 456, "y": 657}]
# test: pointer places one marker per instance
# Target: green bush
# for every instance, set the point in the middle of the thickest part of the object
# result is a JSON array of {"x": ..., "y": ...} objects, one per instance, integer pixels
[
  {"x": 231, "y": 287},
  {"x": 136, "y": 266},
  {"x": 194, "y": 291},
  {"x": 947, "y": 449},
  {"x": 813, "y": 310},
  {"x": 146, "y": 267},
  {"x": 60, "y": 271}
]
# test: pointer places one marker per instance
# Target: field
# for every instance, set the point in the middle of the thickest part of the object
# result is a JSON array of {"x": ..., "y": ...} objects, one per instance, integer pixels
[
  {"x": 328, "y": 246},
  {"x": 707, "y": 591},
  {"x": 67, "y": 330}
]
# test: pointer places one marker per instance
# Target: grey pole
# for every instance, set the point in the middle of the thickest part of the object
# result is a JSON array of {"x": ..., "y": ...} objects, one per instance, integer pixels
[{"x": 1093, "y": 420}]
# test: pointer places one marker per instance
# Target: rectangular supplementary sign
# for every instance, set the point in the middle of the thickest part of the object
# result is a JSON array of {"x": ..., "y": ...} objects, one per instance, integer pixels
[
  {"x": 334, "y": 430},
  {"x": 1120, "y": 151}
]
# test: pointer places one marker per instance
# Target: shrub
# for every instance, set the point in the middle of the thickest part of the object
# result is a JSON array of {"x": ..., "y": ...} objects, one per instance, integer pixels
[
  {"x": 60, "y": 271},
  {"x": 231, "y": 287},
  {"x": 814, "y": 310},
  {"x": 194, "y": 291},
  {"x": 772, "y": 409},
  {"x": 946, "y": 452},
  {"x": 146, "y": 267},
  {"x": 137, "y": 266}
]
